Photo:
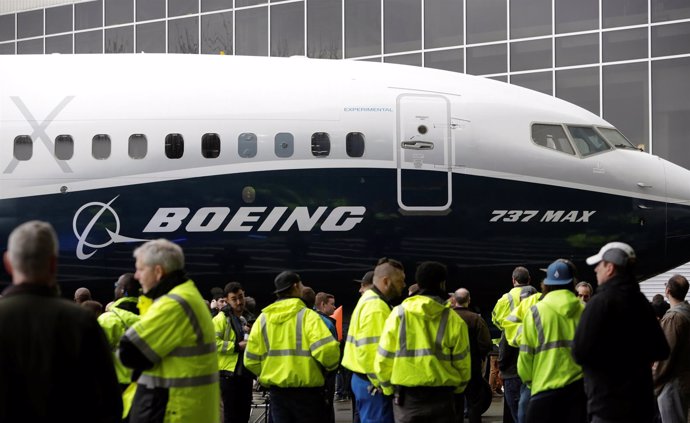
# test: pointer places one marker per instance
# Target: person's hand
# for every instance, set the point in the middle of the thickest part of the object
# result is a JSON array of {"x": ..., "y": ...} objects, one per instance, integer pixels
[
  {"x": 213, "y": 304},
  {"x": 373, "y": 390},
  {"x": 242, "y": 345}
]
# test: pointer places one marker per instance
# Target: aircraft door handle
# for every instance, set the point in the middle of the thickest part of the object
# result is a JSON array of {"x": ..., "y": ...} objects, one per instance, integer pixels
[{"x": 417, "y": 145}]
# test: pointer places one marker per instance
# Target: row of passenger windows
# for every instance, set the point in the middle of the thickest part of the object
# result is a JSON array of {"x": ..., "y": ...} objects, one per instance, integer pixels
[
  {"x": 247, "y": 145},
  {"x": 587, "y": 140}
]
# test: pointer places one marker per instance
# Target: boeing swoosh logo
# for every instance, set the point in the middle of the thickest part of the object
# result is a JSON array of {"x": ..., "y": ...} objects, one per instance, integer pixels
[{"x": 83, "y": 235}]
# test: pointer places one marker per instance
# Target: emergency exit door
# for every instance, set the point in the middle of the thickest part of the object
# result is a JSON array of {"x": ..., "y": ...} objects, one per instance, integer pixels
[{"x": 423, "y": 153}]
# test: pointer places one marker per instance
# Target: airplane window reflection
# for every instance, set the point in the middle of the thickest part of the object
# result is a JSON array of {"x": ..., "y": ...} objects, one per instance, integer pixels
[
  {"x": 64, "y": 147},
  {"x": 210, "y": 146},
  {"x": 354, "y": 144},
  {"x": 616, "y": 138},
  {"x": 587, "y": 140},
  {"x": 100, "y": 146},
  {"x": 284, "y": 144},
  {"x": 246, "y": 145},
  {"x": 320, "y": 144},
  {"x": 553, "y": 137},
  {"x": 23, "y": 147},
  {"x": 174, "y": 146},
  {"x": 137, "y": 146}
]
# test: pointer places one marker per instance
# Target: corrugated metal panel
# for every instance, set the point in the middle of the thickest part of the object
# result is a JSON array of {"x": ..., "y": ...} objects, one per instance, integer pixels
[
  {"x": 655, "y": 285},
  {"x": 9, "y": 6}
]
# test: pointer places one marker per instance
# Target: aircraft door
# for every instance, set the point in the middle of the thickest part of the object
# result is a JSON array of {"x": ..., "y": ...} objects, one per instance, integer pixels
[{"x": 423, "y": 153}]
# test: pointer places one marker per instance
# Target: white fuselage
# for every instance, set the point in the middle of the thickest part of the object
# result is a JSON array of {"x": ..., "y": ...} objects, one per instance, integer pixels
[{"x": 456, "y": 130}]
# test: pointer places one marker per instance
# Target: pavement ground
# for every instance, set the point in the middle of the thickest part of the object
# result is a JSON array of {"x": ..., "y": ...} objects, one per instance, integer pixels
[{"x": 343, "y": 411}]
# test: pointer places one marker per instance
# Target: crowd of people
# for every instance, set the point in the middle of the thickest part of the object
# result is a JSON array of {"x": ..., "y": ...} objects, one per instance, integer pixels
[{"x": 160, "y": 352}]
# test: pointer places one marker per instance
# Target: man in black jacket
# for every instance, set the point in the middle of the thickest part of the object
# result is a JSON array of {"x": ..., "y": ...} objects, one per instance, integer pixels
[
  {"x": 617, "y": 341},
  {"x": 55, "y": 363},
  {"x": 480, "y": 345}
]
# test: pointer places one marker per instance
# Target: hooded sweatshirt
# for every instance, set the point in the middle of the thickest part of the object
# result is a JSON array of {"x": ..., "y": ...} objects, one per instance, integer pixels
[
  {"x": 290, "y": 346},
  {"x": 424, "y": 343},
  {"x": 545, "y": 361}
]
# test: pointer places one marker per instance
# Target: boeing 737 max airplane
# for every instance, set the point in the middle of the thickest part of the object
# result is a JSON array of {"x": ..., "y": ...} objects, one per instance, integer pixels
[{"x": 255, "y": 165}]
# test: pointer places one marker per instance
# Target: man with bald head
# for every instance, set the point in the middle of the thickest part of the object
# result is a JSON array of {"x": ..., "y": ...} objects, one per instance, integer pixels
[
  {"x": 480, "y": 345},
  {"x": 366, "y": 326},
  {"x": 81, "y": 295},
  {"x": 55, "y": 363},
  {"x": 122, "y": 314}
]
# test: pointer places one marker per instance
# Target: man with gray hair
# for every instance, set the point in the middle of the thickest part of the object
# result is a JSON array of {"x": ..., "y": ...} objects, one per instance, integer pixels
[
  {"x": 584, "y": 291},
  {"x": 45, "y": 338},
  {"x": 172, "y": 347}
]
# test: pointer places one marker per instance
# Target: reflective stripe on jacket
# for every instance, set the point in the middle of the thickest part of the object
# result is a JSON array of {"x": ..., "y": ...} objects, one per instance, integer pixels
[
  {"x": 366, "y": 325},
  {"x": 225, "y": 342},
  {"x": 545, "y": 361},
  {"x": 512, "y": 325},
  {"x": 423, "y": 343},
  {"x": 508, "y": 302},
  {"x": 176, "y": 334},
  {"x": 114, "y": 324},
  {"x": 289, "y": 346}
]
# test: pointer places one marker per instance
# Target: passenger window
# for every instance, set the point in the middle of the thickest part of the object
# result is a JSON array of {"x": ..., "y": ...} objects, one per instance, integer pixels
[
  {"x": 587, "y": 140},
  {"x": 100, "y": 146},
  {"x": 210, "y": 146},
  {"x": 553, "y": 137},
  {"x": 137, "y": 146},
  {"x": 64, "y": 147},
  {"x": 246, "y": 145},
  {"x": 284, "y": 144},
  {"x": 23, "y": 147},
  {"x": 320, "y": 144},
  {"x": 354, "y": 144},
  {"x": 174, "y": 146}
]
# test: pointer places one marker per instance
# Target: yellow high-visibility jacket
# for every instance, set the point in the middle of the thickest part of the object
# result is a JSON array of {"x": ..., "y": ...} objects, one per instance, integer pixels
[
  {"x": 114, "y": 324},
  {"x": 362, "y": 341},
  {"x": 508, "y": 302},
  {"x": 176, "y": 334},
  {"x": 228, "y": 354},
  {"x": 423, "y": 343},
  {"x": 289, "y": 346},
  {"x": 545, "y": 361},
  {"x": 512, "y": 325}
]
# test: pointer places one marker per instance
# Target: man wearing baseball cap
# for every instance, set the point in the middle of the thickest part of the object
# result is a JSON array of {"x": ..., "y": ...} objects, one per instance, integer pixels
[
  {"x": 617, "y": 341},
  {"x": 545, "y": 361},
  {"x": 366, "y": 282},
  {"x": 288, "y": 349}
]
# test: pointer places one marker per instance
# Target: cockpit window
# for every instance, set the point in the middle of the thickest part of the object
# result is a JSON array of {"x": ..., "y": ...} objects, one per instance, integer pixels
[
  {"x": 617, "y": 139},
  {"x": 552, "y": 136},
  {"x": 587, "y": 140}
]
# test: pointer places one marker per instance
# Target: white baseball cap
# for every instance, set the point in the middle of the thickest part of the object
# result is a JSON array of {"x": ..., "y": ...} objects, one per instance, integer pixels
[{"x": 618, "y": 253}]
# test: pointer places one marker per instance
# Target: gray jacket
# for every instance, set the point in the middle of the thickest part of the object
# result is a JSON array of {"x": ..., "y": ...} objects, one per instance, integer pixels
[{"x": 676, "y": 327}]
